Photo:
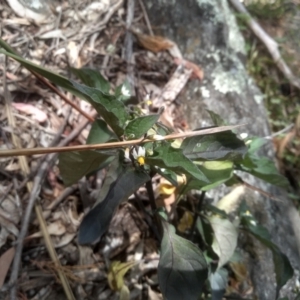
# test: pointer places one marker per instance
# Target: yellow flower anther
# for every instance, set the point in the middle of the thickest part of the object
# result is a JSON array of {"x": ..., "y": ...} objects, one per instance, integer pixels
[
  {"x": 141, "y": 160},
  {"x": 149, "y": 102}
]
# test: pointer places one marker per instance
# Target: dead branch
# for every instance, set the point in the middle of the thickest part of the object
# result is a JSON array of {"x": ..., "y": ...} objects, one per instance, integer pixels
[{"x": 269, "y": 43}]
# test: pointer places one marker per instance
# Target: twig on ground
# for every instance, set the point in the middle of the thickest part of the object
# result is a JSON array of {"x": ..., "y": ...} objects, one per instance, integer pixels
[
  {"x": 270, "y": 44},
  {"x": 33, "y": 189},
  {"x": 5, "y": 193},
  {"x": 286, "y": 129},
  {"x": 146, "y": 18},
  {"x": 54, "y": 142},
  {"x": 100, "y": 26},
  {"x": 34, "y": 193},
  {"x": 66, "y": 192},
  {"x": 128, "y": 47}
]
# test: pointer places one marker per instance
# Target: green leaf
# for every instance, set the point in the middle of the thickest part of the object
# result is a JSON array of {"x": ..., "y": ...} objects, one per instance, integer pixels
[
  {"x": 111, "y": 110},
  {"x": 256, "y": 144},
  {"x": 53, "y": 77},
  {"x": 262, "y": 168},
  {"x": 222, "y": 145},
  {"x": 169, "y": 175},
  {"x": 225, "y": 238},
  {"x": 297, "y": 297},
  {"x": 113, "y": 172},
  {"x": 167, "y": 157},
  {"x": 182, "y": 269},
  {"x": 75, "y": 165},
  {"x": 283, "y": 268},
  {"x": 139, "y": 126},
  {"x": 92, "y": 78},
  {"x": 205, "y": 229},
  {"x": 100, "y": 133},
  {"x": 116, "y": 273},
  {"x": 96, "y": 222},
  {"x": 217, "y": 120},
  {"x": 217, "y": 173},
  {"x": 218, "y": 282}
]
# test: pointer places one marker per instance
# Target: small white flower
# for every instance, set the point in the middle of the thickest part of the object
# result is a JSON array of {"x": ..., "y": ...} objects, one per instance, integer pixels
[
  {"x": 126, "y": 154},
  {"x": 125, "y": 92},
  {"x": 140, "y": 153},
  {"x": 244, "y": 135}
]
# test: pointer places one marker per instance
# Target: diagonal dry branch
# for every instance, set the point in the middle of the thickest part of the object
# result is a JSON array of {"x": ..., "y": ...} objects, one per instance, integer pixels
[
  {"x": 269, "y": 43},
  {"x": 33, "y": 188},
  {"x": 33, "y": 151}
]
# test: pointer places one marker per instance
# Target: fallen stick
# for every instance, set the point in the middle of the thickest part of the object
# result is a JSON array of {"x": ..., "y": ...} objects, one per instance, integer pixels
[{"x": 269, "y": 43}]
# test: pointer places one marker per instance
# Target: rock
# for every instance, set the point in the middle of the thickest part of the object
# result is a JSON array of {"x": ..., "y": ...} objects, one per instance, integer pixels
[{"x": 207, "y": 34}]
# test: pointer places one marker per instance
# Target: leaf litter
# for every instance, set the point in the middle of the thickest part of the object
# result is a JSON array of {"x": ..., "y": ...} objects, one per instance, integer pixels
[{"x": 82, "y": 34}]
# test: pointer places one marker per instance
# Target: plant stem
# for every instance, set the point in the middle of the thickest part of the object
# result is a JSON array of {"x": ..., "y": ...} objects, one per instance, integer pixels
[
  {"x": 198, "y": 208},
  {"x": 150, "y": 192}
]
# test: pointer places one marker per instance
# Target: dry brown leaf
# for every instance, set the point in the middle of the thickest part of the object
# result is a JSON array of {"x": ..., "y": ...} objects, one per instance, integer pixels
[
  {"x": 12, "y": 166},
  {"x": 153, "y": 43},
  {"x": 297, "y": 125},
  {"x": 5, "y": 261},
  {"x": 197, "y": 71},
  {"x": 56, "y": 228},
  {"x": 8, "y": 224},
  {"x": 29, "y": 109},
  {"x": 185, "y": 222},
  {"x": 64, "y": 240},
  {"x": 230, "y": 202},
  {"x": 153, "y": 295},
  {"x": 282, "y": 145},
  {"x": 73, "y": 54}
]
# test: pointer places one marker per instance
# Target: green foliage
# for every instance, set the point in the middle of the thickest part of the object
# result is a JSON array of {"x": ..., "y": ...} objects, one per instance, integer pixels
[
  {"x": 92, "y": 78},
  {"x": 75, "y": 165},
  {"x": 261, "y": 167},
  {"x": 140, "y": 126},
  {"x": 281, "y": 100},
  {"x": 218, "y": 282},
  {"x": 180, "y": 261},
  {"x": 225, "y": 238},
  {"x": 217, "y": 172},
  {"x": 165, "y": 156},
  {"x": 222, "y": 145},
  {"x": 109, "y": 108},
  {"x": 273, "y": 10},
  {"x": 283, "y": 268},
  {"x": 100, "y": 133},
  {"x": 206, "y": 161},
  {"x": 96, "y": 222}
]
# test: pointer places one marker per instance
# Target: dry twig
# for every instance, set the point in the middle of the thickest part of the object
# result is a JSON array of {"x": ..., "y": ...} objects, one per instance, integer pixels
[
  {"x": 33, "y": 188},
  {"x": 33, "y": 151},
  {"x": 270, "y": 44},
  {"x": 34, "y": 193},
  {"x": 128, "y": 46}
]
